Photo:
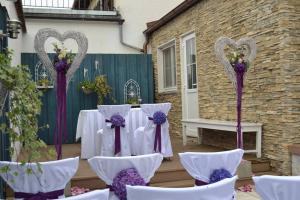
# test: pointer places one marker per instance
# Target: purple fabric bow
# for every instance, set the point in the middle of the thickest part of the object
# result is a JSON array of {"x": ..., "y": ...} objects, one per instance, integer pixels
[
  {"x": 39, "y": 195},
  {"x": 125, "y": 177},
  {"x": 240, "y": 70},
  {"x": 117, "y": 122},
  {"x": 61, "y": 67},
  {"x": 159, "y": 118},
  {"x": 218, "y": 175}
]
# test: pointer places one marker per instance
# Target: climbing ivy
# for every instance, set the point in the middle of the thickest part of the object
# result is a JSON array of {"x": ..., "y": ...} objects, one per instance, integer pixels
[{"x": 24, "y": 108}]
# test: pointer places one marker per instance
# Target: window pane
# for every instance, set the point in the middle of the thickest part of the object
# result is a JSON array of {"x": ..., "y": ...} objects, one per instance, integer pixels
[
  {"x": 169, "y": 67},
  {"x": 194, "y": 76},
  {"x": 191, "y": 63}
]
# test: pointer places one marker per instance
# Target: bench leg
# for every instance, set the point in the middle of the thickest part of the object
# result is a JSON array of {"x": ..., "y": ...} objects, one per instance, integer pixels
[
  {"x": 200, "y": 135},
  {"x": 184, "y": 138},
  {"x": 258, "y": 143}
]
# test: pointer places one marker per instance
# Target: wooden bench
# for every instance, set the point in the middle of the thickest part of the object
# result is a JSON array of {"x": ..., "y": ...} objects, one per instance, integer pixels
[{"x": 201, "y": 124}]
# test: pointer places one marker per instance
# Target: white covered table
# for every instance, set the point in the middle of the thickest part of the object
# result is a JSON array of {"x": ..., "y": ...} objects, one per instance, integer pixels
[{"x": 90, "y": 121}]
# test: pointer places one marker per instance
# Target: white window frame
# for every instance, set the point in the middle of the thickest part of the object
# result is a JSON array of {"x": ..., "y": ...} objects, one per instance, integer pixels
[{"x": 160, "y": 64}]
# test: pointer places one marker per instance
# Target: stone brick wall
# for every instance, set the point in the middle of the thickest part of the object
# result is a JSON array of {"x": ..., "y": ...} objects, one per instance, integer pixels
[{"x": 272, "y": 89}]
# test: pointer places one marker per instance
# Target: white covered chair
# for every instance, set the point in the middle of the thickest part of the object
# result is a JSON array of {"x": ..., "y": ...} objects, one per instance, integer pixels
[
  {"x": 277, "y": 187},
  {"x": 108, "y": 133},
  {"x": 221, "y": 190},
  {"x": 51, "y": 182},
  {"x": 144, "y": 137},
  {"x": 107, "y": 168},
  {"x": 136, "y": 118},
  {"x": 93, "y": 195},
  {"x": 201, "y": 165}
]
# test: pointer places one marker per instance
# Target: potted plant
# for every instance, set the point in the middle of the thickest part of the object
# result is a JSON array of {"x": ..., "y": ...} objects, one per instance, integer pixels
[
  {"x": 87, "y": 86},
  {"x": 99, "y": 86}
]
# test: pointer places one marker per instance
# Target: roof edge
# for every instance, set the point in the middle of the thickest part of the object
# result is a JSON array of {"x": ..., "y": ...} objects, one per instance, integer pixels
[{"x": 181, "y": 8}]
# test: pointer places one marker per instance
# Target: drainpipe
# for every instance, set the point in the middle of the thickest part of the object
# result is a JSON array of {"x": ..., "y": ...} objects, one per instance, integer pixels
[
  {"x": 122, "y": 39},
  {"x": 145, "y": 46}
]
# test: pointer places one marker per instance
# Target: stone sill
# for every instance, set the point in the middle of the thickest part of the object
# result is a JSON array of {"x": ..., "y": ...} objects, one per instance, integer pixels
[{"x": 294, "y": 149}]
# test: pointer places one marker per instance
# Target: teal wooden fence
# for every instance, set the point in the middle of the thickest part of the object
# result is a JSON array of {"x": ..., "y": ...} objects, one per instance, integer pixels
[
  {"x": 4, "y": 143},
  {"x": 118, "y": 68}
]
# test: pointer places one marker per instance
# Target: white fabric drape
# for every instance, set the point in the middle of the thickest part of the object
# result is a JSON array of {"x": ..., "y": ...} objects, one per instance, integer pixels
[
  {"x": 221, "y": 190},
  {"x": 108, "y": 167},
  {"x": 144, "y": 136},
  {"x": 107, "y": 135},
  {"x": 200, "y": 165},
  {"x": 93, "y": 195},
  {"x": 89, "y": 122},
  {"x": 277, "y": 187},
  {"x": 55, "y": 175},
  {"x": 136, "y": 119}
]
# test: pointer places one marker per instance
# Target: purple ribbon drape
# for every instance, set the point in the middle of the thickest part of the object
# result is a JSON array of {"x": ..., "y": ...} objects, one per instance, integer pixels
[
  {"x": 39, "y": 195},
  {"x": 157, "y": 138},
  {"x": 240, "y": 69},
  {"x": 117, "y": 136},
  {"x": 61, "y": 106}
]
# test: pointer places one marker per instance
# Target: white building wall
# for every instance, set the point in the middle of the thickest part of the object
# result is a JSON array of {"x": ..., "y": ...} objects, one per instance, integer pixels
[
  {"x": 14, "y": 44},
  {"x": 138, "y": 12},
  {"x": 103, "y": 37}
]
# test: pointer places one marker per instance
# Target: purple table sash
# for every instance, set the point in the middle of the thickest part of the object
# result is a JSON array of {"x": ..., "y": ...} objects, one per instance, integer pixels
[
  {"x": 39, "y": 195},
  {"x": 117, "y": 136}
]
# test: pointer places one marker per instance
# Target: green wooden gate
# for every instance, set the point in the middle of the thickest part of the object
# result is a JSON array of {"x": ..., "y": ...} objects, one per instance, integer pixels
[
  {"x": 118, "y": 68},
  {"x": 4, "y": 142}
]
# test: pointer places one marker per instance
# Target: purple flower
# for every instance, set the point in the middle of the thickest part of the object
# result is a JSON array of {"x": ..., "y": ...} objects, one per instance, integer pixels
[
  {"x": 240, "y": 67},
  {"x": 159, "y": 118},
  {"x": 62, "y": 65},
  {"x": 117, "y": 120},
  {"x": 125, "y": 177},
  {"x": 218, "y": 175}
]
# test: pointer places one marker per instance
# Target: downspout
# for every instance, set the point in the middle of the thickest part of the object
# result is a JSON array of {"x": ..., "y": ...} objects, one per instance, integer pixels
[
  {"x": 122, "y": 39},
  {"x": 145, "y": 46}
]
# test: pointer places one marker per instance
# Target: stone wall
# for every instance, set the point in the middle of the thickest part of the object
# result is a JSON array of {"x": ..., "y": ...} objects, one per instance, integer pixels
[{"x": 272, "y": 89}]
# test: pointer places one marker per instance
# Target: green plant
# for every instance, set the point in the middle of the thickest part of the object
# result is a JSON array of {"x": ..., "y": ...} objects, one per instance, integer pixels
[
  {"x": 99, "y": 86},
  {"x": 25, "y": 106},
  {"x": 133, "y": 100}
]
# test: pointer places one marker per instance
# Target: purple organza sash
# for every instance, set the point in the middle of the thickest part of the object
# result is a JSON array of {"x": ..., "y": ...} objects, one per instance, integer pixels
[
  {"x": 240, "y": 70},
  {"x": 157, "y": 138},
  {"x": 158, "y": 118},
  {"x": 117, "y": 126},
  {"x": 39, "y": 195},
  {"x": 200, "y": 183},
  {"x": 61, "y": 107}
]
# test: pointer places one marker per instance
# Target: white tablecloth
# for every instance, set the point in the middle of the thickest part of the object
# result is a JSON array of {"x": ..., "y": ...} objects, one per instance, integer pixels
[{"x": 90, "y": 121}]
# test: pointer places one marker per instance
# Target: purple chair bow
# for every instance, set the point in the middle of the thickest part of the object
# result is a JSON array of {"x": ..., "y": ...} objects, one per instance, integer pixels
[
  {"x": 39, "y": 195},
  {"x": 159, "y": 118},
  {"x": 117, "y": 122},
  {"x": 125, "y": 177},
  {"x": 215, "y": 176}
]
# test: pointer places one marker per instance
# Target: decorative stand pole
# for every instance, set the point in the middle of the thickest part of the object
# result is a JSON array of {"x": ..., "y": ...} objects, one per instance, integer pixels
[{"x": 236, "y": 65}]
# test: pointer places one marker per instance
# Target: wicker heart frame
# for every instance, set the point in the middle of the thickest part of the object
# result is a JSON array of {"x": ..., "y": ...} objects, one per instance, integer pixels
[
  {"x": 222, "y": 42},
  {"x": 44, "y": 34}
]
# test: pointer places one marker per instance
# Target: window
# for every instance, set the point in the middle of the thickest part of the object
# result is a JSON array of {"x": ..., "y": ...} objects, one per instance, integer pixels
[
  {"x": 167, "y": 67},
  {"x": 191, "y": 63}
]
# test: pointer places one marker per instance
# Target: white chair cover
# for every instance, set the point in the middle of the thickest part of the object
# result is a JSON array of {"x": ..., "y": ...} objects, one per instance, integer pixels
[
  {"x": 136, "y": 119},
  {"x": 107, "y": 135},
  {"x": 200, "y": 165},
  {"x": 144, "y": 136},
  {"x": 89, "y": 121},
  {"x": 277, "y": 187},
  {"x": 93, "y": 195},
  {"x": 55, "y": 175},
  {"x": 108, "y": 167},
  {"x": 221, "y": 190}
]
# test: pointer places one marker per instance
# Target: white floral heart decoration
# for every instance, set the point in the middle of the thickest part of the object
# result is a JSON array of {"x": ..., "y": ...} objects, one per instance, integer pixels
[
  {"x": 220, "y": 45},
  {"x": 46, "y": 33}
]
